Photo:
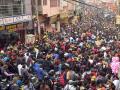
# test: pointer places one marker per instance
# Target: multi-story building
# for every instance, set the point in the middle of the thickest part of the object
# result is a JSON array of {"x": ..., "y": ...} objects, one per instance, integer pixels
[
  {"x": 49, "y": 11},
  {"x": 52, "y": 12},
  {"x": 67, "y": 8},
  {"x": 10, "y": 8},
  {"x": 16, "y": 16}
]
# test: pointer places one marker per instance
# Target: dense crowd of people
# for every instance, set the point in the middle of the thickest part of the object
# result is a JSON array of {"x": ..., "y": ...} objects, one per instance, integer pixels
[{"x": 80, "y": 57}]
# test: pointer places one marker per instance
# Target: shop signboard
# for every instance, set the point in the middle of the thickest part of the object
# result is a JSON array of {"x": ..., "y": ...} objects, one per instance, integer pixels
[
  {"x": 18, "y": 19},
  {"x": 27, "y": 18},
  {"x": 11, "y": 28},
  {"x": 8, "y": 20},
  {"x": 2, "y": 28}
]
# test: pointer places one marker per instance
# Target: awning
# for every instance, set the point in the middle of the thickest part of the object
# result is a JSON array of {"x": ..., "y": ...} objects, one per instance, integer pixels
[{"x": 53, "y": 19}]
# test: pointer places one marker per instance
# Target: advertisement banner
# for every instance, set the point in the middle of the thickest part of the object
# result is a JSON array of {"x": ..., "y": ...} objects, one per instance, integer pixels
[
  {"x": 12, "y": 20},
  {"x": 11, "y": 28},
  {"x": 2, "y": 28},
  {"x": 27, "y": 18},
  {"x": 8, "y": 20},
  {"x": 18, "y": 19}
]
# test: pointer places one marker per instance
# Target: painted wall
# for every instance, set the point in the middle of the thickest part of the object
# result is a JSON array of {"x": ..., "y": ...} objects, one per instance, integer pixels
[
  {"x": 28, "y": 7},
  {"x": 50, "y": 11}
]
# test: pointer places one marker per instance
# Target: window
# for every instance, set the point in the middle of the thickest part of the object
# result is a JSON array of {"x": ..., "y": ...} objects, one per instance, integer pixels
[
  {"x": 5, "y": 10},
  {"x": 53, "y": 3},
  {"x": 44, "y": 2},
  {"x": 11, "y": 7},
  {"x": 17, "y": 10}
]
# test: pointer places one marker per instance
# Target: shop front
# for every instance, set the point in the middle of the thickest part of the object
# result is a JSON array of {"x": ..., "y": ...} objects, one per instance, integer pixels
[
  {"x": 49, "y": 24},
  {"x": 15, "y": 28},
  {"x": 54, "y": 24},
  {"x": 4, "y": 36},
  {"x": 7, "y": 35},
  {"x": 43, "y": 22}
]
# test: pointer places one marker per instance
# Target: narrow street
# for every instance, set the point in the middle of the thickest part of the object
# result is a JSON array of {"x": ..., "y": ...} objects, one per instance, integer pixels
[{"x": 77, "y": 51}]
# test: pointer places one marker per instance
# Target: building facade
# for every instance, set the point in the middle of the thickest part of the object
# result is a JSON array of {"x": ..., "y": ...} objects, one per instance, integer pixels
[
  {"x": 52, "y": 13},
  {"x": 67, "y": 8},
  {"x": 48, "y": 11},
  {"x": 15, "y": 7},
  {"x": 70, "y": 9},
  {"x": 11, "y": 8},
  {"x": 15, "y": 17}
]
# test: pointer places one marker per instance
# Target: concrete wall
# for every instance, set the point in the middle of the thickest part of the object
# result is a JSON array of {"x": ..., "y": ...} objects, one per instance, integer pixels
[
  {"x": 66, "y": 6},
  {"x": 28, "y": 7},
  {"x": 71, "y": 6},
  {"x": 50, "y": 11}
]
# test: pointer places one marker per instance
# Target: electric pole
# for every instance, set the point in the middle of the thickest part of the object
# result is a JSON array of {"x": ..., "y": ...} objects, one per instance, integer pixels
[
  {"x": 37, "y": 17},
  {"x": 118, "y": 12}
]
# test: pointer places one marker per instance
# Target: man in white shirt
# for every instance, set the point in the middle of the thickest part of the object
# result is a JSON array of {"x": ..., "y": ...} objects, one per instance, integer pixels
[
  {"x": 116, "y": 82},
  {"x": 19, "y": 69}
]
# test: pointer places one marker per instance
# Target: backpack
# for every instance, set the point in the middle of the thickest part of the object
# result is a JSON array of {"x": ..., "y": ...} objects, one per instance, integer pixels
[{"x": 62, "y": 79}]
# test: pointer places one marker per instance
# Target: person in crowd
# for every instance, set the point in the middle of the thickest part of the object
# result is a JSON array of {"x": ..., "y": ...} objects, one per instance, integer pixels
[{"x": 85, "y": 53}]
